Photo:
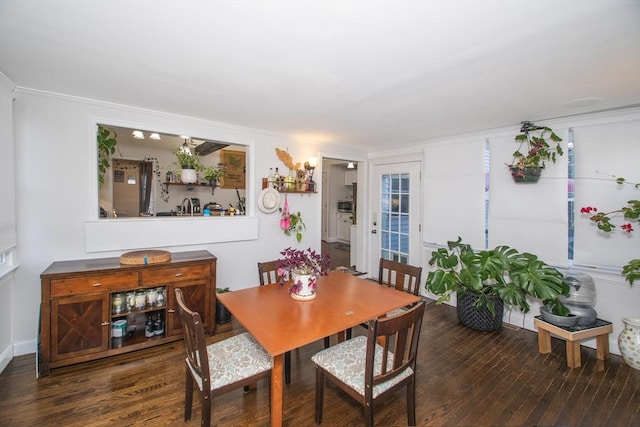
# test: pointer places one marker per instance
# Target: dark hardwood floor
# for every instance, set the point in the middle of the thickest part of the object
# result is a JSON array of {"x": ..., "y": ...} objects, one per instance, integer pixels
[
  {"x": 339, "y": 253},
  {"x": 465, "y": 378}
]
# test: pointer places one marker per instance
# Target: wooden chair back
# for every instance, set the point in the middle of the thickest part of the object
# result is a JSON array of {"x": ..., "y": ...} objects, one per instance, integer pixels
[
  {"x": 399, "y": 336},
  {"x": 403, "y": 277},
  {"x": 194, "y": 341},
  {"x": 268, "y": 272}
]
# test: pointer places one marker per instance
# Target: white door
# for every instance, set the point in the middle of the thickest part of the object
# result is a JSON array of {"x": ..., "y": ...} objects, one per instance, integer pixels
[{"x": 395, "y": 214}]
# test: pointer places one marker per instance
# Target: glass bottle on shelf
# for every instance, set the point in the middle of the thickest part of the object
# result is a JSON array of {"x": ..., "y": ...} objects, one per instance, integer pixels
[
  {"x": 149, "y": 327},
  {"x": 276, "y": 180},
  {"x": 159, "y": 325},
  {"x": 270, "y": 178}
]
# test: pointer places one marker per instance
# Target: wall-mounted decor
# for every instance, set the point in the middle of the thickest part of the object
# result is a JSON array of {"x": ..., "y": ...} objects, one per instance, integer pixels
[
  {"x": 235, "y": 164},
  {"x": 533, "y": 150}
]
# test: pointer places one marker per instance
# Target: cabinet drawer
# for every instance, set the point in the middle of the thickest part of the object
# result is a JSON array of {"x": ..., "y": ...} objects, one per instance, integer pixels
[
  {"x": 91, "y": 284},
  {"x": 162, "y": 276}
]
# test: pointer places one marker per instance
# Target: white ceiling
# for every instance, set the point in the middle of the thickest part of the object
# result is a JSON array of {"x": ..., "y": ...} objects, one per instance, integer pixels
[{"x": 377, "y": 74}]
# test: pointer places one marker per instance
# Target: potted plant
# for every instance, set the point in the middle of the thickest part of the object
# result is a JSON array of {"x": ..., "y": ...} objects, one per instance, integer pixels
[
  {"x": 222, "y": 314},
  {"x": 190, "y": 165},
  {"x": 107, "y": 140},
  {"x": 486, "y": 279},
  {"x": 533, "y": 150},
  {"x": 304, "y": 267},
  {"x": 212, "y": 174}
]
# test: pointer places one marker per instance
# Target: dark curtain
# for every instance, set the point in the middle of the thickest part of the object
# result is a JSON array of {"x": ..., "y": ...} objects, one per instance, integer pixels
[{"x": 146, "y": 180}]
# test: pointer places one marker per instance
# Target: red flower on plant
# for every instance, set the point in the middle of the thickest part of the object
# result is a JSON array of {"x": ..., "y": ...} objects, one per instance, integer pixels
[{"x": 627, "y": 227}]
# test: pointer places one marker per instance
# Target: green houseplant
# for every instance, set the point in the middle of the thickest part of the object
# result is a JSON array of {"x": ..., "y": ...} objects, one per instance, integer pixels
[
  {"x": 212, "y": 174},
  {"x": 489, "y": 278},
  {"x": 537, "y": 145},
  {"x": 190, "y": 165},
  {"x": 107, "y": 140}
]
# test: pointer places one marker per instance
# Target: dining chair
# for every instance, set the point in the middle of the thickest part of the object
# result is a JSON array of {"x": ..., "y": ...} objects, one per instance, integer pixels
[
  {"x": 220, "y": 367},
  {"x": 403, "y": 277},
  {"x": 367, "y": 370},
  {"x": 268, "y": 272}
]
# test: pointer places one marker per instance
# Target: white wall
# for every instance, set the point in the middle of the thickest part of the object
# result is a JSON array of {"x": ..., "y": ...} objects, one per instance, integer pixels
[
  {"x": 7, "y": 220},
  {"x": 57, "y": 197},
  {"x": 533, "y": 217}
]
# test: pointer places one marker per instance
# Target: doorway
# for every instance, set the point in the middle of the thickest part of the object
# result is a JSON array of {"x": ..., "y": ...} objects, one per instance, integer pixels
[
  {"x": 395, "y": 206},
  {"x": 338, "y": 223}
]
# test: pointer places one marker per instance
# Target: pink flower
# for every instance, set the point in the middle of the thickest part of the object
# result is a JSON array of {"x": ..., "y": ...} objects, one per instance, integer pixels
[{"x": 627, "y": 227}]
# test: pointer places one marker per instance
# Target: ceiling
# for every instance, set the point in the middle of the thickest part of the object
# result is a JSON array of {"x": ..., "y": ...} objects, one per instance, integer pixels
[{"x": 373, "y": 74}]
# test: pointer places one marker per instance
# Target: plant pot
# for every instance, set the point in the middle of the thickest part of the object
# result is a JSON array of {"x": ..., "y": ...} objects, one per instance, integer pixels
[
  {"x": 222, "y": 314},
  {"x": 629, "y": 342},
  {"x": 479, "y": 319},
  {"x": 526, "y": 175},
  {"x": 303, "y": 287},
  {"x": 188, "y": 176}
]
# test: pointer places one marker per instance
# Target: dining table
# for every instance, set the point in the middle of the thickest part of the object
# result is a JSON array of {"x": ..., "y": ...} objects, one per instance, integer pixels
[{"x": 281, "y": 323}]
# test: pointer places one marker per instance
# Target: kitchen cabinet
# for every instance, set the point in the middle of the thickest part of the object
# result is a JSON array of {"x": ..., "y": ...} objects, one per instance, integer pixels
[
  {"x": 350, "y": 176},
  {"x": 343, "y": 226},
  {"x": 98, "y": 308}
]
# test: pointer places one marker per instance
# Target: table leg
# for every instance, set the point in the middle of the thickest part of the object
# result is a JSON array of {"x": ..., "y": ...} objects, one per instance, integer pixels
[
  {"x": 573, "y": 354},
  {"x": 544, "y": 341},
  {"x": 602, "y": 346},
  {"x": 276, "y": 391}
]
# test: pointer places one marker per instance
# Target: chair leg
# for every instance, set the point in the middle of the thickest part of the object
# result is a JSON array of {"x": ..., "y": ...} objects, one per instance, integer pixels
[
  {"x": 319, "y": 394},
  {"x": 411, "y": 403},
  {"x": 188, "y": 396},
  {"x": 349, "y": 332},
  {"x": 287, "y": 367},
  {"x": 206, "y": 408},
  {"x": 368, "y": 414},
  {"x": 327, "y": 343}
]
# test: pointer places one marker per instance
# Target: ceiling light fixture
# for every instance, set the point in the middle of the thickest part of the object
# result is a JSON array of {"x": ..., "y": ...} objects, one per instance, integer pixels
[
  {"x": 185, "y": 148},
  {"x": 155, "y": 136},
  {"x": 137, "y": 134},
  {"x": 351, "y": 165}
]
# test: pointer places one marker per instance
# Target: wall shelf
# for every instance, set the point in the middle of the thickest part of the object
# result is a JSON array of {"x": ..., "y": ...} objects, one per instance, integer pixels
[{"x": 190, "y": 186}]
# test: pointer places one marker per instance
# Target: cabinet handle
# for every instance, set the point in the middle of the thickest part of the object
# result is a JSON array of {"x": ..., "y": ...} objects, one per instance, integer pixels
[
  {"x": 97, "y": 284},
  {"x": 171, "y": 310},
  {"x": 105, "y": 323},
  {"x": 178, "y": 274}
]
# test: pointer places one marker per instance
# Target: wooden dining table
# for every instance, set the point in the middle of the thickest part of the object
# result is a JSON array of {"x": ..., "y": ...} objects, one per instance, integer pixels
[{"x": 280, "y": 323}]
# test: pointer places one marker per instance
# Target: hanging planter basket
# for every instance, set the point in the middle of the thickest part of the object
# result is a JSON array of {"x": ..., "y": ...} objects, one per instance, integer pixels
[{"x": 527, "y": 174}]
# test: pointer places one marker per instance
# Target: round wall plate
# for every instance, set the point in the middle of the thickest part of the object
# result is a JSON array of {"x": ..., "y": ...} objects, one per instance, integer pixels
[{"x": 269, "y": 200}]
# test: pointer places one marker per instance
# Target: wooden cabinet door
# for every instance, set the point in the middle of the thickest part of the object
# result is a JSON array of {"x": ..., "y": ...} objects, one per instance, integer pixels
[
  {"x": 79, "y": 325},
  {"x": 196, "y": 297}
]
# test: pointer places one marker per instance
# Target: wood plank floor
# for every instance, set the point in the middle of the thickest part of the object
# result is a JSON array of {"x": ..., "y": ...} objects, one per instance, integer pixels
[{"x": 465, "y": 378}]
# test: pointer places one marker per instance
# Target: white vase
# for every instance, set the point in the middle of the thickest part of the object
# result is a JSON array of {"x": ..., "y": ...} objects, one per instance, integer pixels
[
  {"x": 304, "y": 286},
  {"x": 188, "y": 176},
  {"x": 629, "y": 342}
]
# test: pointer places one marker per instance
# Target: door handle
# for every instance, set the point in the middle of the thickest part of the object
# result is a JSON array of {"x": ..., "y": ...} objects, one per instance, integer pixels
[{"x": 374, "y": 231}]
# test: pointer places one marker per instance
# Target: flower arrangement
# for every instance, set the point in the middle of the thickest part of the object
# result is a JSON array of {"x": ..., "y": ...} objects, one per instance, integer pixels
[
  {"x": 302, "y": 262},
  {"x": 629, "y": 212},
  {"x": 526, "y": 167}
]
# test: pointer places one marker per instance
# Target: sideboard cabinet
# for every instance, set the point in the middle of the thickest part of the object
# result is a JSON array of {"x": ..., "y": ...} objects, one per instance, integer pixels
[{"x": 97, "y": 308}]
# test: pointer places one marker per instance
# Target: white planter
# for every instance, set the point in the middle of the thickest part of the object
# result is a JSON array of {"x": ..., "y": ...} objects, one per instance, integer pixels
[
  {"x": 303, "y": 287},
  {"x": 188, "y": 176},
  {"x": 629, "y": 342}
]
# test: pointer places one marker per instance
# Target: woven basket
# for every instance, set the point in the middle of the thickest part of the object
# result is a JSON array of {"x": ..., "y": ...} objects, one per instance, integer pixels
[{"x": 482, "y": 320}]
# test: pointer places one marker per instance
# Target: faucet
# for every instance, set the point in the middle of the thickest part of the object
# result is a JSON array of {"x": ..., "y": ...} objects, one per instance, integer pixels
[{"x": 190, "y": 205}]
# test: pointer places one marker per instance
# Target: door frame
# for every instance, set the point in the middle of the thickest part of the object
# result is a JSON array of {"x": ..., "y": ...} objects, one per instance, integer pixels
[{"x": 373, "y": 262}]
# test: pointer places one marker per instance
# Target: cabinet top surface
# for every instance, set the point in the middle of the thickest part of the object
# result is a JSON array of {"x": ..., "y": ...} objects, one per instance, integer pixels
[{"x": 106, "y": 264}]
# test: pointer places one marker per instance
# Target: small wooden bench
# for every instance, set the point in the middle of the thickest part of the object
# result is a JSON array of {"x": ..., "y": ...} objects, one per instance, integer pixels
[{"x": 600, "y": 330}]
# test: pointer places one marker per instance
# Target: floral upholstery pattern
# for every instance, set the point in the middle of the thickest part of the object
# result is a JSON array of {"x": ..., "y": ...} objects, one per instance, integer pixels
[
  {"x": 346, "y": 361},
  {"x": 233, "y": 359}
]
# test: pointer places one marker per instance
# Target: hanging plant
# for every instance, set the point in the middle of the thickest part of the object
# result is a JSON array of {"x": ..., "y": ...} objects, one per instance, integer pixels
[
  {"x": 537, "y": 145},
  {"x": 291, "y": 223}
]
